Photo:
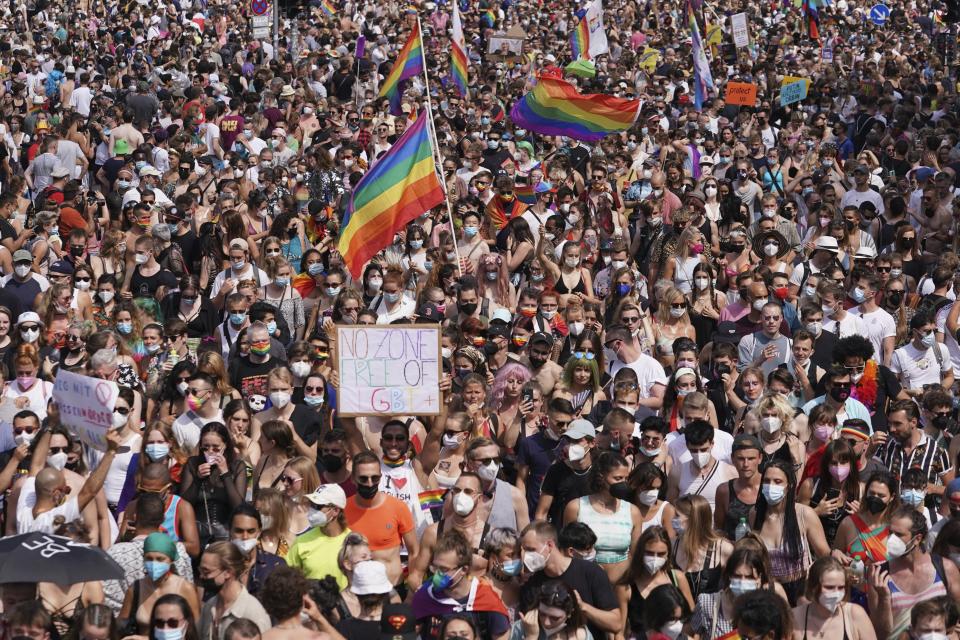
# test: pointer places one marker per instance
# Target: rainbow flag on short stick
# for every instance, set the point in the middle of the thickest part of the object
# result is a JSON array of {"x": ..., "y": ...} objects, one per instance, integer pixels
[
  {"x": 409, "y": 64},
  {"x": 431, "y": 499},
  {"x": 399, "y": 187},
  {"x": 554, "y": 108}
]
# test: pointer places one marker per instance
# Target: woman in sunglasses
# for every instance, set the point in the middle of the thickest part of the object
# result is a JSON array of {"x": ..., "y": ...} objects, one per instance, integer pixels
[{"x": 581, "y": 382}]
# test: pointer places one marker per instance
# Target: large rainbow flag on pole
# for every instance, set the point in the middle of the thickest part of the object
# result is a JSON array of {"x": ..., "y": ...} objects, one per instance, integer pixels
[
  {"x": 702, "y": 77},
  {"x": 554, "y": 108},
  {"x": 400, "y": 186},
  {"x": 409, "y": 64},
  {"x": 458, "y": 54}
]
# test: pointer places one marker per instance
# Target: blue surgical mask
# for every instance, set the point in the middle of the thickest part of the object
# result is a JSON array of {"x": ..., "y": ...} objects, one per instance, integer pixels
[
  {"x": 156, "y": 570},
  {"x": 237, "y": 319},
  {"x": 416, "y": 245},
  {"x": 281, "y": 282},
  {"x": 333, "y": 291},
  {"x": 512, "y": 567},
  {"x": 272, "y": 327},
  {"x": 126, "y": 328},
  {"x": 392, "y": 298},
  {"x": 313, "y": 401},
  {"x": 315, "y": 269},
  {"x": 168, "y": 634},
  {"x": 157, "y": 451},
  {"x": 623, "y": 289},
  {"x": 913, "y": 497}
]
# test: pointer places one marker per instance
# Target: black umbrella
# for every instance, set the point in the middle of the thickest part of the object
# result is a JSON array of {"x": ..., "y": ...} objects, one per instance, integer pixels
[{"x": 41, "y": 557}]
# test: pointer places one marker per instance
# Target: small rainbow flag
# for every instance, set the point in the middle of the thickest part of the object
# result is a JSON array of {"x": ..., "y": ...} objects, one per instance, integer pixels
[
  {"x": 431, "y": 499},
  {"x": 458, "y": 55},
  {"x": 525, "y": 193},
  {"x": 328, "y": 9},
  {"x": 400, "y": 186},
  {"x": 488, "y": 19},
  {"x": 554, "y": 108},
  {"x": 409, "y": 64},
  {"x": 580, "y": 40}
]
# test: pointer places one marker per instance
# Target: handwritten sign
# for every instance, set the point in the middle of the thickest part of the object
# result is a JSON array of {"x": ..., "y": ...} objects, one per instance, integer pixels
[
  {"x": 741, "y": 93},
  {"x": 741, "y": 34},
  {"x": 648, "y": 60},
  {"x": 793, "y": 92},
  {"x": 389, "y": 370},
  {"x": 86, "y": 406},
  {"x": 791, "y": 79}
]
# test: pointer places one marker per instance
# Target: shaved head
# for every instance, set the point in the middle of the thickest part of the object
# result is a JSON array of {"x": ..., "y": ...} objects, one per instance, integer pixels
[{"x": 49, "y": 480}]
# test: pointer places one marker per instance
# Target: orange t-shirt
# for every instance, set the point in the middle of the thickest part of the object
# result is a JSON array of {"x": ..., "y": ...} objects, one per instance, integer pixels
[
  {"x": 70, "y": 219},
  {"x": 383, "y": 526}
]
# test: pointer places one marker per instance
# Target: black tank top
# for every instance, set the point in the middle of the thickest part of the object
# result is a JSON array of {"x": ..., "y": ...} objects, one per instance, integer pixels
[
  {"x": 831, "y": 521},
  {"x": 736, "y": 509}
]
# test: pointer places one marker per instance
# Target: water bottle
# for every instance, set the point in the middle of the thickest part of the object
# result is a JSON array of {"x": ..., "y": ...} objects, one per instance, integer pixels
[
  {"x": 856, "y": 571},
  {"x": 742, "y": 529}
]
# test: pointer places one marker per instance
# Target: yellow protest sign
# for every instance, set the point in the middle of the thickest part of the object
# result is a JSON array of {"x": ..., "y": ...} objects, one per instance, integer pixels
[
  {"x": 791, "y": 79},
  {"x": 648, "y": 60},
  {"x": 714, "y": 34}
]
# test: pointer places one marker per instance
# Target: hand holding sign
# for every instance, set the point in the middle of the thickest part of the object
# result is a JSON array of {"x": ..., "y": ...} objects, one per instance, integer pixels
[{"x": 741, "y": 93}]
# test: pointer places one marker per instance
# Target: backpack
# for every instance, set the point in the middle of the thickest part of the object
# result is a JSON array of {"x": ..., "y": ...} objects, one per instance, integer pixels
[{"x": 933, "y": 303}]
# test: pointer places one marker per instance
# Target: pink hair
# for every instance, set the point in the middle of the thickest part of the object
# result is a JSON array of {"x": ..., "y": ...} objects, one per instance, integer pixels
[{"x": 507, "y": 371}]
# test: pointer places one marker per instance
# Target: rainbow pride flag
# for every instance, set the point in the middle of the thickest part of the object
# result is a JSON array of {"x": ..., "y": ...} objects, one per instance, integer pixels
[
  {"x": 580, "y": 40},
  {"x": 328, "y": 9},
  {"x": 554, "y": 108},
  {"x": 431, "y": 499},
  {"x": 400, "y": 186},
  {"x": 409, "y": 64},
  {"x": 488, "y": 19},
  {"x": 525, "y": 193},
  {"x": 458, "y": 54}
]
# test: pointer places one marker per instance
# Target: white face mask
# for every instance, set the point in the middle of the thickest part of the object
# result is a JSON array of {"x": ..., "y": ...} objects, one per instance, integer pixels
[
  {"x": 21, "y": 270},
  {"x": 30, "y": 335},
  {"x": 895, "y": 547},
  {"x": 57, "y": 460},
  {"x": 300, "y": 369},
  {"x": 771, "y": 424},
  {"x": 534, "y": 561},
  {"x": 24, "y": 438},
  {"x": 576, "y": 452},
  {"x": 653, "y": 563},
  {"x": 576, "y": 328},
  {"x": 815, "y": 328},
  {"x": 672, "y": 629},
  {"x": 677, "y": 313},
  {"x": 450, "y": 442},
  {"x": 649, "y": 497},
  {"x": 743, "y": 585},
  {"x": 463, "y": 504},
  {"x": 317, "y": 518},
  {"x": 182, "y": 387},
  {"x": 831, "y": 599},
  {"x": 758, "y": 305},
  {"x": 119, "y": 421},
  {"x": 245, "y": 546},
  {"x": 488, "y": 472},
  {"x": 702, "y": 283},
  {"x": 650, "y": 453},
  {"x": 700, "y": 458},
  {"x": 280, "y": 399}
]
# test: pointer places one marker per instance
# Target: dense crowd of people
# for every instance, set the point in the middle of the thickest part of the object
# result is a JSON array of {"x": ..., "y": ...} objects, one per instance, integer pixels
[{"x": 698, "y": 378}]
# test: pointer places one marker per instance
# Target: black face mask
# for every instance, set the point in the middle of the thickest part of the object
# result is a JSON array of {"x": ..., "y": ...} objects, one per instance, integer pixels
[
  {"x": 840, "y": 394},
  {"x": 183, "y": 173},
  {"x": 622, "y": 491},
  {"x": 331, "y": 462},
  {"x": 895, "y": 298},
  {"x": 76, "y": 252},
  {"x": 367, "y": 492},
  {"x": 210, "y": 586},
  {"x": 468, "y": 309},
  {"x": 874, "y": 504}
]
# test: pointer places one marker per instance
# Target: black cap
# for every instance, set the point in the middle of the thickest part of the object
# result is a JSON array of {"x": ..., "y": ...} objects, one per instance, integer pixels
[
  {"x": 747, "y": 441},
  {"x": 726, "y": 332},
  {"x": 540, "y": 336},
  {"x": 398, "y": 623},
  {"x": 498, "y": 329}
]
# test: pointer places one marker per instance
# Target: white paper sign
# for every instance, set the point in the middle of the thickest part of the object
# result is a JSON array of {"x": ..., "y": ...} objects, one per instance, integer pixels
[
  {"x": 86, "y": 406},
  {"x": 741, "y": 36},
  {"x": 388, "y": 370}
]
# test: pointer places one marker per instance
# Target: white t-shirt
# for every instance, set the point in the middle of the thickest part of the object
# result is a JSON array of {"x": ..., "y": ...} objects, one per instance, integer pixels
[
  {"x": 43, "y": 523},
  {"x": 851, "y": 325},
  {"x": 880, "y": 325},
  {"x": 677, "y": 447},
  {"x": 117, "y": 476},
  {"x": 186, "y": 428},
  {"x": 80, "y": 100},
  {"x": 649, "y": 372},
  {"x": 916, "y": 368}
]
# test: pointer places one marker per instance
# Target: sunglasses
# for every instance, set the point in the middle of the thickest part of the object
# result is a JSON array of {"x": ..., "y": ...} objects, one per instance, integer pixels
[
  {"x": 584, "y": 355},
  {"x": 289, "y": 480},
  {"x": 169, "y": 623}
]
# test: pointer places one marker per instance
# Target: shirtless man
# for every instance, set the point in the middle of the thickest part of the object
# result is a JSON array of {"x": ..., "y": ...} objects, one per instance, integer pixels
[{"x": 935, "y": 223}]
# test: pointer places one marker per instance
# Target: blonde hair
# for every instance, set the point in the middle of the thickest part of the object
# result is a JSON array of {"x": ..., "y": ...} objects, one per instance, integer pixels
[
  {"x": 211, "y": 363},
  {"x": 307, "y": 470},
  {"x": 663, "y": 311},
  {"x": 270, "y": 502},
  {"x": 777, "y": 403},
  {"x": 699, "y": 533}
]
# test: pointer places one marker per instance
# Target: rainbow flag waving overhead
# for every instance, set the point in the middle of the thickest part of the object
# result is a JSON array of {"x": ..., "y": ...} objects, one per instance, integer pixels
[
  {"x": 554, "y": 108},
  {"x": 589, "y": 38},
  {"x": 328, "y": 8},
  {"x": 458, "y": 54},
  {"x": 400, "y": 186},
  {"x": 409, "y": 64},
  {"x": 580, "y": 41}
]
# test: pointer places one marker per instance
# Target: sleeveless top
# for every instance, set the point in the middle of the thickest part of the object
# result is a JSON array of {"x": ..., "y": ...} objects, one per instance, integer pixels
[
  {"x": 502, "y": 514},
  {"x": 901, "y": 602},
  {"x": 683, "y": 273},
  {"x": 707, "y": 579},
  {"x": 831, "y": 521},
  {"x": 870, "y": 545},
  {"x": 561, "y": 286},
  {"x": 736, "y": 509},
  {"x": 843, "y": 616},
  {"x": 656, "y": 520},
  {"x": 169, "y": 525},
  {"x": 612, "y": 530},
  {"x": 635, "y": 606},
  {"x": 692, "y": 484}
]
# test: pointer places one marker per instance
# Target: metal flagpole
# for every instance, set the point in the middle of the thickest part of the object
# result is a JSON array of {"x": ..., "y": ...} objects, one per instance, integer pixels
[{"x": 435, "y": 146}]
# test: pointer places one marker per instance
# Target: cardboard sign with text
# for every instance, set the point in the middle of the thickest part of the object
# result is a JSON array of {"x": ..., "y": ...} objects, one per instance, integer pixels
[
  {"x": 86, "y": 406},
  {"x": 741, "y": 93}
]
